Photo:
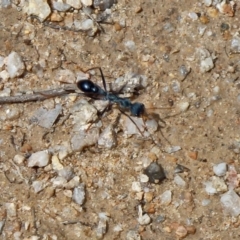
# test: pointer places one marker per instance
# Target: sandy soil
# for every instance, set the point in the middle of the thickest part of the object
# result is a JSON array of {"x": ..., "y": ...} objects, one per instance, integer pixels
[{"x": 165, "y": 38}]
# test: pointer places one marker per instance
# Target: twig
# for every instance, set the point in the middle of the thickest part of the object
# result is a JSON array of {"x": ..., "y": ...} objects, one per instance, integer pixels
[{"x": 39, "y": 95}]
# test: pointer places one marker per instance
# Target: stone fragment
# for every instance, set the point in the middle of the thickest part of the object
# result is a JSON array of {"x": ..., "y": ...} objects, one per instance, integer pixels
[
  {"x": 79, "y": 194},
  {"x": 39, "y": 159},
  {"x": 15, "y": 65},
  {"x": 38, "y": 8},
  {"x": 231, "y": 203}
]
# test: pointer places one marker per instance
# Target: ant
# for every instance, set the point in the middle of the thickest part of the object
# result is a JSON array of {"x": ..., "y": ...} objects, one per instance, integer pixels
[{"x": 94, "y": 91}]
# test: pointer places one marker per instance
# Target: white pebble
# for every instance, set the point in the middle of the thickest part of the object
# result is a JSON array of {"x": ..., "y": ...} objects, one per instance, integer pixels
[
  {"x": 74, "y": 3},
  {"x": 107, "y": 138},
  {"x": 183, "y": 106},
  {"x": 208, "y": 3},
  {"x": 18, "y": 159},
  {"x": 59, "y": 182},
  {"x": 206, "y": 64},
  {"x": 172, "y": 149},
  {"x": 166, "y": 197},
  {"x": 79, "y": 194},
  {"x": 179, "y": 181},
  {"x": 39, "y": 159},
  {"x": 15, "y": 65},
  {"x": 130, "y": 45},
  {"x": 136, "y": 187},
  {"x": 66, "y": 173},
  {"x": 193, "y": 15},
  {"x": 66, "y": 76},
  {"x": 144, "y": 178},
  {"x": 4, "y": 75},
  {"x": 11, "y": 209},
  {"x": 231, "y": 203},
  {"x": 133, "y": 235},
  {"x": 38, "y": 8},
  {"x": 87, "y": 3},
  {"x": 206, "y": 202},
  {"x": 209, "y": 188},
  {"x": 37, "y": 186},
  {"x": 101, "y": 228},
  {"x": 13, "y": 113},
  {"x": 144, "y": 219},
  {"x": 46, "y": 118},
  {"x": 56, "y": 165},
  {"x": 220, "y": 169}
]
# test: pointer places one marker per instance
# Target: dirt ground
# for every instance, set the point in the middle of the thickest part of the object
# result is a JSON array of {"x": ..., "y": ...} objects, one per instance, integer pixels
[{"x": 166, "y": 40}]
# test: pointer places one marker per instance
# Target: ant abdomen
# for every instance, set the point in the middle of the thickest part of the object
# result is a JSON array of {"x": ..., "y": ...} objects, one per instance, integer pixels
[{"x": 87, "y": 86}]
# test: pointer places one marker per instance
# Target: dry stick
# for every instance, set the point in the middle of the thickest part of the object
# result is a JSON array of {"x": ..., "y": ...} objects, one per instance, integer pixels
[{"x": 39, "y": 95}]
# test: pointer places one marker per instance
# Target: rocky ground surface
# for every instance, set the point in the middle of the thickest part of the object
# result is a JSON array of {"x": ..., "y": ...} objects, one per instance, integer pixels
[{"x": 68, "y": 173}]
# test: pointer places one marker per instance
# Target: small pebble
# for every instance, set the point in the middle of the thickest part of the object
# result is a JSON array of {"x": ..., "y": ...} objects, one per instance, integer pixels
[
  {"x": 219, "y": 184},
  {"x": 74, "y": 3},
  {"x": 103, "y": 4},
  {"x": 208, "y": 3},
  {"x": 15, "y": 65},
  {"x": 60, "y": 6},
  {"x": 144, "y": 219},
  {"x": 160, "y": 219},
  {"x": 65, "y": 76},
  {"x": 231, "y": 203},
  {"x": 108, "y": 138},
  {"x": 193, "y": 16},
  {"x": 79, "y": 194},
  {"x": 38, "y": 8},
  {"x": 181, "y": 232},
  {"x": 193, "y": 155},
  {"x": 183, "y": 106},
  {"x": 220, "y": 169},
  {"x": 179, "y": 181},
  {"x": 46, "y": 118},
  {"x": 39, "y": 159},
  {"x": 101, "y": 229},
  {"x": 58, "y": 182},
  {"x": 66, "y": 172},
  {"x": 56, "y": 165},
  {"x": 166, "y": 198},
  {"x": 84, "y": 139},
  {"x": 155, "y": 173},
  {"x": 206, "y": 202},
  {"x": 87, "y": 3},
  {"x": 37, "y": 186},
  {"x": 172, "y": 149},
  {"x": 130, "y": 45},
  {"x": 11, "y": 209},
  {"x": 18, "y": 159},
  {"x": 148, "y": 196},
  {"x": 136, "y": 187},
  {"x": 144, "y": 178},
  {"x": 4, "y": 75},
  {"x": 209, "y": 188},
  {"x": 133, "y": 235},
  {"x": 235, "y": 44}
]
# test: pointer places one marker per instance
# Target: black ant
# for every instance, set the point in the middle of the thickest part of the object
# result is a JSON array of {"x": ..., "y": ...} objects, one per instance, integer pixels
[{"x": 94, "y": 91}]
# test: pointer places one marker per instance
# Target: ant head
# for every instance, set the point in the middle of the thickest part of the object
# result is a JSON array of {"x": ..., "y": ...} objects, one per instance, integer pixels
[
  {"x": 137, "y": 109},
  {"x": 87, "y": 86}
]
